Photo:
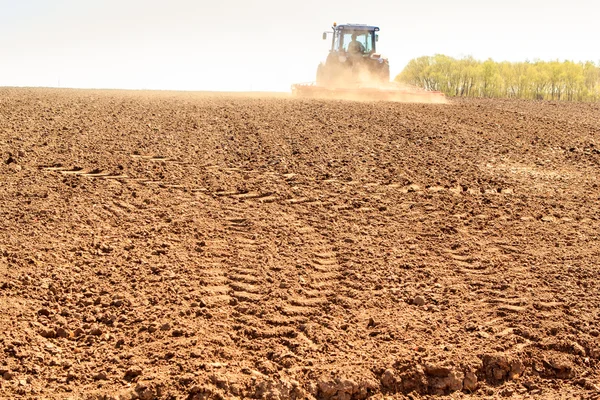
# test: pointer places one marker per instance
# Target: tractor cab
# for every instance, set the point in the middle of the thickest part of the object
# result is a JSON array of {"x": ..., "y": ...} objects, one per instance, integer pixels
[
  {"x": 353, "y": 39},
  {"x": 352, "y": 59}
]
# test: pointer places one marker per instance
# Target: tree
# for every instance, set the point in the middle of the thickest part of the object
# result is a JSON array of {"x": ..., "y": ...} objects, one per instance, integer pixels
[{"x": 537, "y": 80}]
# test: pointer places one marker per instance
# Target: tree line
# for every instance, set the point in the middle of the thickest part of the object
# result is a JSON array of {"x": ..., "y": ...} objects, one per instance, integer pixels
[{"x": 540, "y": 80}]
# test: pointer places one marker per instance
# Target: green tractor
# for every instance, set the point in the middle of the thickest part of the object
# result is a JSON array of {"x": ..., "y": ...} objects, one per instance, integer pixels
[{"x": 353, "y": 58}]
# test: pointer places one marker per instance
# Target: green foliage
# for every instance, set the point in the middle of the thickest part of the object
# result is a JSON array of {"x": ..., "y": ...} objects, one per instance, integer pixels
[{"x": 548, "y": 80}]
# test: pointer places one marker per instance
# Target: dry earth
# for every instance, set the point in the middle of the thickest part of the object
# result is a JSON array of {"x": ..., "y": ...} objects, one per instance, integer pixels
[{"x": 178, "y": 245}]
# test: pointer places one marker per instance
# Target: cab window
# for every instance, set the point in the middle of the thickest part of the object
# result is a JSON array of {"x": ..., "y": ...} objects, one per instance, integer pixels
[{"x": 364, "y": 38}]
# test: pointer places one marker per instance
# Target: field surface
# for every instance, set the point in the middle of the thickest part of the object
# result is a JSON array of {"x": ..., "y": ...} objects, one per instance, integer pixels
[{"x": 181, "y": 245}]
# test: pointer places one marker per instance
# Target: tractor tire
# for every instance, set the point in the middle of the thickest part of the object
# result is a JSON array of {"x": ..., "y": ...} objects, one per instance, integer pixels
[
  {"x": 320, "y": 75},
  {"x": 385, "y": 73}
]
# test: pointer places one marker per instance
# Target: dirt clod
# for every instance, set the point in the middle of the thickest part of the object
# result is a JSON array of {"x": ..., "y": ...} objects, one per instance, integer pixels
[
  {"x": 100, "y": 376},
  {"x": 133, "y": 372},
  {"x": 419, "y": 301}
]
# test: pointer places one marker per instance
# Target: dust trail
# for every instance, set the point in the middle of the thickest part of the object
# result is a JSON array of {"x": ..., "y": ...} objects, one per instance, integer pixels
[
  {"x": 363, "y": 85},
  {"x": 380, "y": 92}
]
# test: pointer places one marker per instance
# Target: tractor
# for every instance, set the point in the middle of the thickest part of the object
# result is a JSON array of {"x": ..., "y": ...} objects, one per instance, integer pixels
[
  {"x": 353, "y": 58},
  {"x": 354, "y": 70}
]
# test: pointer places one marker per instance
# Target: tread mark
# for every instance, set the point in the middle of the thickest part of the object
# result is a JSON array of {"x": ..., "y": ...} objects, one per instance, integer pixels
[{"x": 246, "y": 296}]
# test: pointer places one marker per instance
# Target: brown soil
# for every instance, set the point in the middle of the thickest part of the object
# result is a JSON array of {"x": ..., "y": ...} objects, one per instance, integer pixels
[{"x": 164, "y": 245}]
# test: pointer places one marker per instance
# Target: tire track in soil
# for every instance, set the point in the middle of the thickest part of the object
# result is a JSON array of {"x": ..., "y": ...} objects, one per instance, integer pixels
[
  {"x": 236, "y": 279},
  {"x": 246, "y": 273},
  {"x": 318, "y": 274},
  {"x": 271, "y": 308},
  {"x": 215, "y": 289},
  {"x": 267, "y": 196},
  {"x": 225, "y": 283},
  {"x": 231, "y": 272},
  {"x": 88, "y": 173},
  {"x": 503, "y": 308},
  {"x": 316, "y": 287}
]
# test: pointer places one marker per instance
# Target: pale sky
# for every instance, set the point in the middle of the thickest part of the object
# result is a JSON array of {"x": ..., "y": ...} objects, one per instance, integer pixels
[{"x": 267, "y": 44}]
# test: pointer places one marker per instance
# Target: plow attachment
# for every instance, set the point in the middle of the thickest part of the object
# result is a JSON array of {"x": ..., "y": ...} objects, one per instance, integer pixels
[{"x": 398, "y": 93}]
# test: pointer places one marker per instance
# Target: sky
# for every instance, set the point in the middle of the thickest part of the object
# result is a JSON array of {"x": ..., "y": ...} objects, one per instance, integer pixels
[{"x": 267, "y": 45}]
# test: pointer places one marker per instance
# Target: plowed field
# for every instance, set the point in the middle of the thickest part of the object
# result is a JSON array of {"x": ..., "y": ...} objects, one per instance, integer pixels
[{"x": 180, "y": 245}]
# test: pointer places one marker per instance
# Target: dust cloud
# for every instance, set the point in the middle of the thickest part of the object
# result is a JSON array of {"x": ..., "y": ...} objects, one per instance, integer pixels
[{"x": 363, "y": 85}]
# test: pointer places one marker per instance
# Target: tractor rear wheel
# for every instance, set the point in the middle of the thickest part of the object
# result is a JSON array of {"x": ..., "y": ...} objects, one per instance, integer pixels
[
  {"x": 320, "y": 75},
  {"x": 385, "y": 73}
]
